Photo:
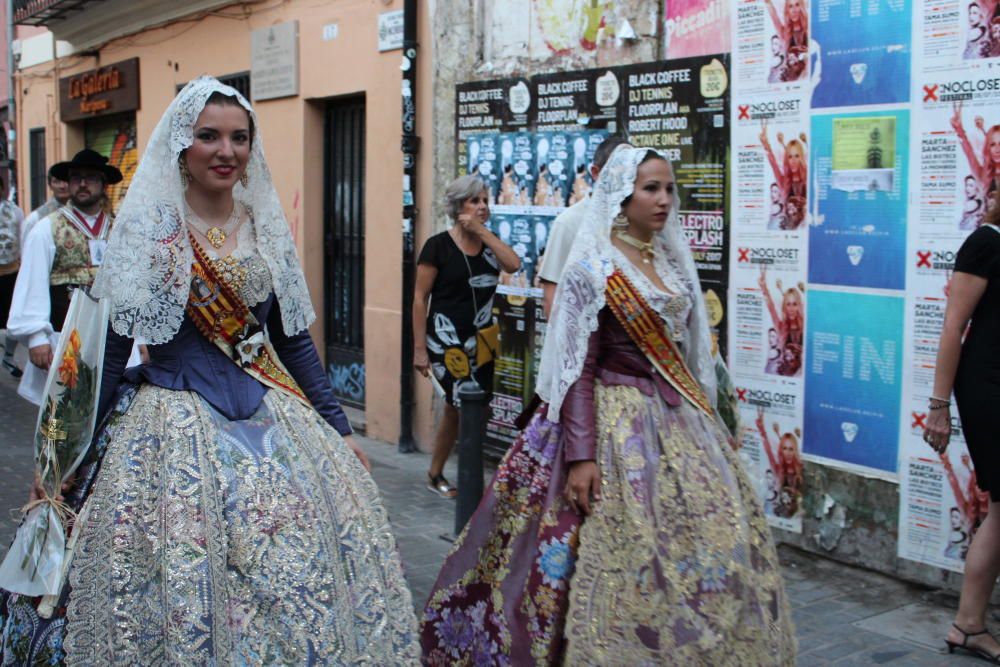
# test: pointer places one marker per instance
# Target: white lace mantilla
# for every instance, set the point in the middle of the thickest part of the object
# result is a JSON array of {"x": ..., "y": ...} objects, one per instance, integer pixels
[
  {"x": 580, "y": 295},
  {"x": 147, "y": 267}
]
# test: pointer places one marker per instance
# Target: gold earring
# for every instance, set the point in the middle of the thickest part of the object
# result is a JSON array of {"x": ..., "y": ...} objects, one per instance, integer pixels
[
  {"x": 245, "y": 180},
  {"x": 186, "y": 177},
  {"x": 620, "y": 221}
]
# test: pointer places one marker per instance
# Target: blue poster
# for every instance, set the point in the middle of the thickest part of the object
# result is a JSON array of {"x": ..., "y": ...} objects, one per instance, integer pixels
[
  {"x": 563, "y": 166},
  {"x": 860, "y": 52},
  {"x": 854, "y": 365},
  {"x": 483, "y": 160},
  {"x": 517, "y": 174},
  {"x": 527, "y": 235},
  {"x": 858, "y": 194}
]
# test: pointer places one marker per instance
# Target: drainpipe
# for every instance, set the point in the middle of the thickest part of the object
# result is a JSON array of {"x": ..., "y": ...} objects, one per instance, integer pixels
[
  {"x": 410, "y": 147},
  {"x": 11, "y": 135}
]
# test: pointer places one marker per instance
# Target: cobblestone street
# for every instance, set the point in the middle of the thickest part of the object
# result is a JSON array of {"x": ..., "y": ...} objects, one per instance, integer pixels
[{"x": 844, "y": 616}]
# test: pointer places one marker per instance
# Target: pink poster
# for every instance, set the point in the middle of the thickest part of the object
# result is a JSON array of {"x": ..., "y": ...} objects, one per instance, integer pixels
[{"x": 696, "y": 28}]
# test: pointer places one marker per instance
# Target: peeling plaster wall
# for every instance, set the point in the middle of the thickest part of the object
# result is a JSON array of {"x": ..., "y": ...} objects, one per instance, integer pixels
[
  {"x": 855, "y": 520},
  {"x": 491, "y": 39},
  {"x": 567, "y": 34}
]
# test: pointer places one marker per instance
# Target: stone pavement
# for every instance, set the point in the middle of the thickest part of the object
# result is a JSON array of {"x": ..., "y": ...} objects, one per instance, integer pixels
[
  {"x": 844, "y": 616},
  {"x": 17, "y": 424}
]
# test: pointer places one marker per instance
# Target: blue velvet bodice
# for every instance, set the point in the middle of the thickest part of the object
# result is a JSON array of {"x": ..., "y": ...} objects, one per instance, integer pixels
[{"x": 190, "y": 362}]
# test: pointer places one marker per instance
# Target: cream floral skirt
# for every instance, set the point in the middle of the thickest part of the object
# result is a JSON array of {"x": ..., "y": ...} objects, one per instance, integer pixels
[
  {"x": 256, "y": 542},
  {"x": 676, "y": 565}
]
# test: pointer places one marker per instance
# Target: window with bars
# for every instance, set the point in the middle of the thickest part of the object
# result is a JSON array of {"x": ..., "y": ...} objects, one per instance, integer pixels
[
  {"x": 37, "y": 169},
  {"x": 344, "y": 227},
  {"x": 240, "y": 81}
]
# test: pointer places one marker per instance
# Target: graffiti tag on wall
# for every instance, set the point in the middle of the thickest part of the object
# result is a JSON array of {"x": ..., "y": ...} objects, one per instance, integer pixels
[{"x": 348, "y": 381}]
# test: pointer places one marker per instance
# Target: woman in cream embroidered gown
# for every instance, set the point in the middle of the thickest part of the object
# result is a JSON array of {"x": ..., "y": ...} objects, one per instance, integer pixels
[
  {"x": 223, "y": 520},
  {"x": 620, "y": 528}
]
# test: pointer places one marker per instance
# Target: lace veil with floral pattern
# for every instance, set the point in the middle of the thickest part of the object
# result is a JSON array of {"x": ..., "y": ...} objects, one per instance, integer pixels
[
  {"x": 147, "y": 267},
  {"x": 580, "y": 295}
]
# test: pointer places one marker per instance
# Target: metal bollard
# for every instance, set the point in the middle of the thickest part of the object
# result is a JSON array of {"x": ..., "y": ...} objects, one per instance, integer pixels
[{"x": 470, "y": 451}]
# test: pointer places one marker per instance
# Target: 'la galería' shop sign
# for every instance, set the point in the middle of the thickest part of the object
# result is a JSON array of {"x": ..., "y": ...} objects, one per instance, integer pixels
[{"x": 97, "y": 92}]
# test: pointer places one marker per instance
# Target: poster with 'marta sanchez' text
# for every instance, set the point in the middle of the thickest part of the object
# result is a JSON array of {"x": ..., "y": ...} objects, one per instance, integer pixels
[
  {"x": 771, "y": 447},
  {"x": 957, "y": 144},
  {"x": 771, "y": 46},
  {"x": 770, "y": 152},
  {"x": 956, "y": 35},
  {"x": 859, "y": 187},
  {"x": 854, "y": 370},
  {"x": 767, "y": 284},
  {"x": 941, "y": 507},
  {"x": 860, "y": 53}
]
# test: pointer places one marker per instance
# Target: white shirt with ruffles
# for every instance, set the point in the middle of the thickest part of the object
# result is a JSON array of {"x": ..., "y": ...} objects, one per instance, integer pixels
[{"x": 30, "y": 319}]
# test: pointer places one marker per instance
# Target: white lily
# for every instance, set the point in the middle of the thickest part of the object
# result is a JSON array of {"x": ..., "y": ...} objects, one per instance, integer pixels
[{"x": 248, "y": 349}]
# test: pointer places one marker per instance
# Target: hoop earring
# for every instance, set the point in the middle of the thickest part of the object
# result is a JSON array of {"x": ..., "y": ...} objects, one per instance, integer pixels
[
  {"x": 245, "y": 180},
  {"x": 186, "y": 177},
  {"x": 620, "y": 221}
]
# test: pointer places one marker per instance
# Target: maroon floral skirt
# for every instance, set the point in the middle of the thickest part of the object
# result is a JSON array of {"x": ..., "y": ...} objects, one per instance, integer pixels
[{"x": 502, "y": 595}]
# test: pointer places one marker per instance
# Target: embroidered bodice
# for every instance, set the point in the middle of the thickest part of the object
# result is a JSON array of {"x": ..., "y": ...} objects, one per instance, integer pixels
[
  {"x": 673, "y": 307},
  {"x": 191, "y": 362},
  {"x": 72, "y": 264},
  {"x": 613, "y": 358},
  {"x": 243, "y": 269}
]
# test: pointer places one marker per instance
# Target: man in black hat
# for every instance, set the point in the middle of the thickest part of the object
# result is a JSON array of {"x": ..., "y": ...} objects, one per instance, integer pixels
[{"x": 63, "y": 251}]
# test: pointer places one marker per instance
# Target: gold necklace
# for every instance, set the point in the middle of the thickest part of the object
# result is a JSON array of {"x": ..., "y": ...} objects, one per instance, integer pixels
[
  {"x": 215, "y": 234},
  {"x": 645, "y": 248}
]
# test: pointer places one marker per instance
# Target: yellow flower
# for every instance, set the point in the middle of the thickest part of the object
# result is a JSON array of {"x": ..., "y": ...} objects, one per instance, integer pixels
[
  {"x": 74, "y": 342},
  {"x": 68, "y": 370}
]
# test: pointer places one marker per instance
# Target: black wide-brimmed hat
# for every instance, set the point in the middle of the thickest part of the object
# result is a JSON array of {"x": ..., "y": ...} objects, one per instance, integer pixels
[{"x": 87, "y": 159}]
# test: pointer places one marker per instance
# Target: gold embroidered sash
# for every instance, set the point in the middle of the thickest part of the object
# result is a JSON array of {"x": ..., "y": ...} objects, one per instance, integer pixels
[
  {"x": 222, "y": 317},
  {"x": 648, "y": 332}
]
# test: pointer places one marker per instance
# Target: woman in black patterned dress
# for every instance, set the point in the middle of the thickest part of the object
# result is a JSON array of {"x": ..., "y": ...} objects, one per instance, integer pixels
[{"x": 458, "y": 270}]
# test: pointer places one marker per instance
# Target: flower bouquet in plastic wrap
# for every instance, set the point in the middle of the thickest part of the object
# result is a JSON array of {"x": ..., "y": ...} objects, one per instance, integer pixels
[
  {"x": 37, "y": 561},
  {"x": 727, "y": 404}
]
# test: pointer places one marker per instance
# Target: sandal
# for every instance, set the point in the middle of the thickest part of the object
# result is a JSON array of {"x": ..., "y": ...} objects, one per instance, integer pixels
[
  {"x": 441, "y": 486},
  {"x": 978, "y": 652}
]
